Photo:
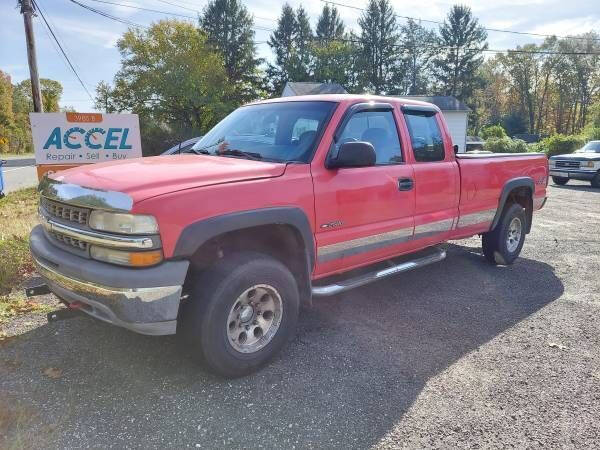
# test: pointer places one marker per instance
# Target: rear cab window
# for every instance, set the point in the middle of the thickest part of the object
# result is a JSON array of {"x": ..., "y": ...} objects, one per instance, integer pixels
[{"x": 425, "y": 136}]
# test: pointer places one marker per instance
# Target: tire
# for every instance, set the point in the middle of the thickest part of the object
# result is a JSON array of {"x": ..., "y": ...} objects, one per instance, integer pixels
[
  {"x": 240, "y": 294},
  {"x": 595, "y": 182},
  {"x": 502, "y": 245},
  {"x": 561, "y": 181}
]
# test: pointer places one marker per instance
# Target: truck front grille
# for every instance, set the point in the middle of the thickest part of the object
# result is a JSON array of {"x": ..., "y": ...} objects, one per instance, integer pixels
[
  {"x": 66, "y": 212},
  {"x": 67, "y": 240},
  {"x": 568, "y": 164}
]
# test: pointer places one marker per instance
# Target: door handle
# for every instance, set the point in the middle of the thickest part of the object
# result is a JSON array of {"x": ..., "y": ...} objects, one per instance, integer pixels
[{"x": 405, "y": 184}]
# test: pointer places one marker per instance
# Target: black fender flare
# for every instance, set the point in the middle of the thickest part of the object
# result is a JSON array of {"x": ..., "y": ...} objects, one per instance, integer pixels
[
  {"x": 508, "y": 187},
  {"x": 197, "y": 233}
]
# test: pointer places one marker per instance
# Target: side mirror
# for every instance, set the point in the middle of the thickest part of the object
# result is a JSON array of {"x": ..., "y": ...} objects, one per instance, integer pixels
[
  {"x": 455, "y": 147},
  {"x": 353, "y": 154}
]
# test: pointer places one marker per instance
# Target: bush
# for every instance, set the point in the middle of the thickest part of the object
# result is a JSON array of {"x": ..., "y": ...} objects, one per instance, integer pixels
[
  {"x": 505, "y": 145},
  {"x": 560, "y": 144},
  {"x": 493, "y": 131},
  {"x": 592, "y": 134}
]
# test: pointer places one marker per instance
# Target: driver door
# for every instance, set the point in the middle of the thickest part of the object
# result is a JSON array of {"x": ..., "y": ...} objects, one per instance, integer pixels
[{"x": 364, "y": 214}]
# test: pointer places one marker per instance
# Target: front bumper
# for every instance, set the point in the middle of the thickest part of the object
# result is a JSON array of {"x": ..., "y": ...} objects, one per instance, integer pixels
[
  {"x": 585, "y": 175},
  {"x": 142, "y": 300}
]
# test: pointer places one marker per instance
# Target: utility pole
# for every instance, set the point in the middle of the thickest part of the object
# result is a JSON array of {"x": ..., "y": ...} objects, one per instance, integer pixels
[{"x": 27, "y": 10}]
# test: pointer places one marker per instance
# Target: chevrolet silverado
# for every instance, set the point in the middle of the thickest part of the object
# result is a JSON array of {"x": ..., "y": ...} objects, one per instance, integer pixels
[{"x": 283, "y": 201}]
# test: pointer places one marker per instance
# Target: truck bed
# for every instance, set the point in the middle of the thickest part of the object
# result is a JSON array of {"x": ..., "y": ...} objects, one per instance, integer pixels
[{"x": 482, "y": 179}]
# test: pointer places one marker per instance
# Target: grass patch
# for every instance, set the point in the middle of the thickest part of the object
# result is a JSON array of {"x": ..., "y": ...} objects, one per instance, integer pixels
[
  {"x": 18, "y": 214},
  {"x": 20, "y": 155}
]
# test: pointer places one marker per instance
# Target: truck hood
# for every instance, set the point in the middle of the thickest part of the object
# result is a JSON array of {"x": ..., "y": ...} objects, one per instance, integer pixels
[
  {"x": 142, "y": 178},
  {"x": 578, "y": 156}
]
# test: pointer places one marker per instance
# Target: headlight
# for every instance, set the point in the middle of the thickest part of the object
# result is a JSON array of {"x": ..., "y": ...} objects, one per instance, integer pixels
[
  {"x": 125, "y": 258},
  {"x": 589, "y": 164},
  {"x": 123, "y": 223}
]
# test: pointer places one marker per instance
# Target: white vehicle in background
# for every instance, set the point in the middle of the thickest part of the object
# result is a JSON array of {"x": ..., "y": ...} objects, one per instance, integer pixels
[{"x": 584, "y": 164}]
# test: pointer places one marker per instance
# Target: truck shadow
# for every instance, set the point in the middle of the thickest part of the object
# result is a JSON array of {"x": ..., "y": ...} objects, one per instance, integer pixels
[{"x": 358, "y": 363}]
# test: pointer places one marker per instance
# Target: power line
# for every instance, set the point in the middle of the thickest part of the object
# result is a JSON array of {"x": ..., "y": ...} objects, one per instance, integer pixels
[
  {"x": 399, "y": 46},
  {"x": 177, "y": 5},
  {"x": 63, "y": 52},
  {"x": 200, "y": 12},
  {"x": 168, "y": 13},
  {"x": 109, "y": 16},
  {"x": 140, "y": 8},
  {"x": 58, "y": 35},
  {"x": 496, "y": 30}
]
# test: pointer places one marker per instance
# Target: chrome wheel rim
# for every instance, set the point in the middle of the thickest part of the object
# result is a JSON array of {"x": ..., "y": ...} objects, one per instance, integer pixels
[
  {"x": 514, "y": 235},
  {"x": 254, "y": 318}
]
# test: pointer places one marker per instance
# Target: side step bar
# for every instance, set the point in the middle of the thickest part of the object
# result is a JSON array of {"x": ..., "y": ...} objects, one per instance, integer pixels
[{"x": 351, "y": 283}]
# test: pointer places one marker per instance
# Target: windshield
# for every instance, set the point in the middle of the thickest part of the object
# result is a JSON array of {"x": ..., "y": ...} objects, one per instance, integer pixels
[
  {"x": 285, "y": 131},
  {"x": 590, "y": 147}
]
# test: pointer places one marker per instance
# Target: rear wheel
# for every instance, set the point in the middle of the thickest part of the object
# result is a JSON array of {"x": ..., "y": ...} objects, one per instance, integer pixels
[
  {"x": 595, "y": 182},
  {"x": 503, "y": 244},
  {"x": 561, "y": 181},
  {"x": 242, "y": 311}
]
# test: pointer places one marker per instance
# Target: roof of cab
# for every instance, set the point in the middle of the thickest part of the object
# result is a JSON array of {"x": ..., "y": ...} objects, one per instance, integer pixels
[{"x": 351, "y": 98}]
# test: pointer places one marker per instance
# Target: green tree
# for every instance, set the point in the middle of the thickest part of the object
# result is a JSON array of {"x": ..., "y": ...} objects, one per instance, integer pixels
[
  {"x": 418, "y": 44},
  {"x": 291, "y": 42},
  {"x": 333, "y": 62},
  {"x": 173, "y": 79},
  {"x": 329, "y": 24},
  {"x": 6, "y": 112},
  {"x": 332, "y": 50},
  {"x": 379, "y": 34},
  {"x": 463, "y": 41},
  {"x": 303, "y": 39},
  {"x": 493, "y": 131},
  {"x": 228, "y": 27},
  {"x": 104, "y": 100},
  {"x": 51, "y": 92},
  {"x": 282, "y": 44}
]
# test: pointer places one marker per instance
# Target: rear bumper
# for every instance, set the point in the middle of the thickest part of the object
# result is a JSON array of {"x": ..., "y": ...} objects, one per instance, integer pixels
[
  {"x": 585, "y": 175},
  {"x": 142, "y": 300}
]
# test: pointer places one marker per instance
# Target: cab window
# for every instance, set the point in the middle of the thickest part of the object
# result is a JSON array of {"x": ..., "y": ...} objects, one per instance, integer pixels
[{"x": 425, "y": 137}]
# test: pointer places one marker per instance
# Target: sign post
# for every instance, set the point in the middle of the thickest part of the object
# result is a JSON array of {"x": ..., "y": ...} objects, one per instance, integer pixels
[{"x": 65, "y": 140}]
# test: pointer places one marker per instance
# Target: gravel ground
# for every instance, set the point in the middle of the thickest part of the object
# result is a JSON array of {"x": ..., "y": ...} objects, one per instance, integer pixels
[{"x": 458, "y": 354}]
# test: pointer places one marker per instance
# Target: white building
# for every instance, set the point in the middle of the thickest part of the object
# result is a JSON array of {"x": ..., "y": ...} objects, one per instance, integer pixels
[{"x": 455, "y": 112}]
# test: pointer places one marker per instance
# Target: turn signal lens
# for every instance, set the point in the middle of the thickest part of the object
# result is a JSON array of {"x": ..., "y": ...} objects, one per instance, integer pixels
[
  {"x": 589, "y": 164},
  {"x": 140, "y": 259},
  {"x": 124, "y": 258}
]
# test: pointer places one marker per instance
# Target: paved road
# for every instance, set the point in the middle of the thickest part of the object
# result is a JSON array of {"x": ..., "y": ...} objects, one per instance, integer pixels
[
  {"x": 19, "y": 173},
  {"x": 458, "y": 354}
]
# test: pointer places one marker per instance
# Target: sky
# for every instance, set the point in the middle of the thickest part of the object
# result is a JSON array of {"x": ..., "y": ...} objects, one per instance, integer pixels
[{"x": 90, "y": 39}]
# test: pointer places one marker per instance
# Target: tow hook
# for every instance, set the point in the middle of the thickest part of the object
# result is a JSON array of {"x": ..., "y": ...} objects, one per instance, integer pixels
[
  {"x": 38, "y": 289},
  {"x": 63, "y": 314},
  {"x": 72, "y": 310}
]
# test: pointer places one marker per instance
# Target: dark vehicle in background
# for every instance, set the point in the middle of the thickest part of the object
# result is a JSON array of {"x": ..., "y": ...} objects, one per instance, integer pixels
[
  {"x": 584, "y": 164},
  {"x": 182, "y": 147}
]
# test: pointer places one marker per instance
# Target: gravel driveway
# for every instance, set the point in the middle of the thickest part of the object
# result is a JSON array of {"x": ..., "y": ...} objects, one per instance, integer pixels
[{"x": 455, "y": 354}]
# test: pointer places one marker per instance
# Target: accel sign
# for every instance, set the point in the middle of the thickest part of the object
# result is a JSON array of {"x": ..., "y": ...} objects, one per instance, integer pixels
[{"x": 81, "y": 138}]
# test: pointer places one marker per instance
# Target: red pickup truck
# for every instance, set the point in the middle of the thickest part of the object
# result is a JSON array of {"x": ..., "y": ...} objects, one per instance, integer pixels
[{"x": 282, "y": 201}]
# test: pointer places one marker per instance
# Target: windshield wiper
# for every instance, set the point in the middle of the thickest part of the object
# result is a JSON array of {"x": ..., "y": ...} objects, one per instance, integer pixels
[
  {"x": 199, "y": 151},
  {"x": 236, "y": 152}
]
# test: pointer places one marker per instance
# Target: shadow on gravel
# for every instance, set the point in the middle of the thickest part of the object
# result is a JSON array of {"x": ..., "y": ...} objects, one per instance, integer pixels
[{"x": 357, "y": 364}]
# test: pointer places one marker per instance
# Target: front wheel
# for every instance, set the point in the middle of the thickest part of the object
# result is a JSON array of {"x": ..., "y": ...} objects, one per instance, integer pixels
[
  {"x": 503, "y": 244},
  {"x": 561, "y": 181},
  {"x": 241, "y": 312},
  {"x": 595, "y": 182}
]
